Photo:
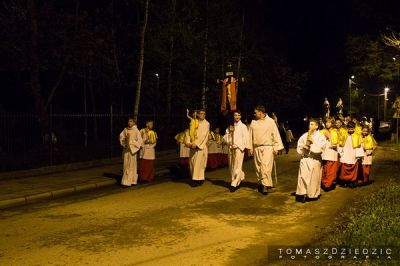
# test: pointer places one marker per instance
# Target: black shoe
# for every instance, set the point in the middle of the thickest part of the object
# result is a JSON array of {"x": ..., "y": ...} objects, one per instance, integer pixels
[
  {"x": 301, "y": 198},
  {"x": 353, "y": 185},
  {"x": 201, "y": 182},
  {"x": 232, "y": 189},
  {"x": 262, "y": 190},
  {"x": 312, "y": 199},
  {"x": 269, "y": 189},
  {"x": 329, "y": 188}
]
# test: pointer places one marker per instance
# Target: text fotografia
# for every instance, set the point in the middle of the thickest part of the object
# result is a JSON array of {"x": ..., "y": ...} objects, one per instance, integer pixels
[{"x": 332, "y": 253}]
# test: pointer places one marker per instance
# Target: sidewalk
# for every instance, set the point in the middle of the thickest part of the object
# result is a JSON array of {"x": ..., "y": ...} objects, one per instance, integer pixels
[{"x": 58, "y": 182}]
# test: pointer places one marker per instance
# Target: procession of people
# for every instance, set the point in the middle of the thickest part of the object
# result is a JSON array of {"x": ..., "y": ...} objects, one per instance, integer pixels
[{"x": 334, "y": 151}]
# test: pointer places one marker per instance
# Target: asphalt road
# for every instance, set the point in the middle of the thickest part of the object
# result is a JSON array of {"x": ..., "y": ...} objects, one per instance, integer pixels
[{"x": 171, "y": 223}]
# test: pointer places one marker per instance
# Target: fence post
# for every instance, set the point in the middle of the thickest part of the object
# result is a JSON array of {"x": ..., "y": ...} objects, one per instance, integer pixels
[
  {"x": 50, "y": 134},
  {"x": 111, "y": 131}
]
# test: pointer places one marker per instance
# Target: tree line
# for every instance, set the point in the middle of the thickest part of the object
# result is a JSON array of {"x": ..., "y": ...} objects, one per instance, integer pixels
[{"x": 83, "y": 56}]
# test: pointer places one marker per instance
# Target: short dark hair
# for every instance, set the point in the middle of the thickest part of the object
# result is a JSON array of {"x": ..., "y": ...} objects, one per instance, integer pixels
[
  {"x": 201, "y": 110},
  {"x": 260, "y": 108},
  {"x": 131, "y": 118},
  {"x": 367, "y": 127},
  {"x": 313, "y": 119},
  {"x": 351, "y": 124},
  {"x": 237, "y": 111}
]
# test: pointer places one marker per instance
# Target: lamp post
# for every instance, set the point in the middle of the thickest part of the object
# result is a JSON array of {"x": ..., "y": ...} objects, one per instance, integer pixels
[
  {"x": 385, "y": 103},
  {"x": 157, "y": 88},
  {"x": 350, "y": 82},
  {"x": 158, "y": 81},
  {"x": 397, "y": 65}
]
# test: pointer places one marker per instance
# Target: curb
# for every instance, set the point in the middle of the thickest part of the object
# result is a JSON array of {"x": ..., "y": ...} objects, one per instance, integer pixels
[
  {"x": 69, "y": 167},
  {"x": 49, "y": 195}
]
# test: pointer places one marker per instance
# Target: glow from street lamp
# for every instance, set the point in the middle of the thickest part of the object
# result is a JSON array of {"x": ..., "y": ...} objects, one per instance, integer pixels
[
  {"x": 352, "y": 77},
  {"x": 386, "y": 89},
  {"x": 394, "y": 58},
  {"x": 156, "y": 75}
]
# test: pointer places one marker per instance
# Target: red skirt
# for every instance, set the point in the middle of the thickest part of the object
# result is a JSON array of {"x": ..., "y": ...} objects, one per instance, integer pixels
[
  {"x": 146, "y": 172},
  {"x": 364, "y": 175},
  {"x": 184, "y": 171},
  {"x": 349, "y": 172},
  {"x": 329, "y": 173},
  {"x": 213, "y": 160},
  {"x": 223, "y": 159}
]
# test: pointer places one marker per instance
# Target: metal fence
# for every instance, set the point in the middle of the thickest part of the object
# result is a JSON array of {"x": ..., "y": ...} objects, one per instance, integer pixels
[{"x": 72, "y": 137}]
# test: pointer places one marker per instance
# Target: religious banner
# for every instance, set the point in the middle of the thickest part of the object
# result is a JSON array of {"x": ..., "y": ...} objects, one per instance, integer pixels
[{"x": 228, "y": 100}]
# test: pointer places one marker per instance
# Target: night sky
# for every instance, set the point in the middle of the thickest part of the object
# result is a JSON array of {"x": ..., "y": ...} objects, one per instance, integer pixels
[
  {"x": 295, "y": 53},
  {"x": 310, "y": 35}
]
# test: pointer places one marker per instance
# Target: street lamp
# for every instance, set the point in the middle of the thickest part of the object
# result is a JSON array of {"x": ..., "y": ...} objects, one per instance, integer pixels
[
  {"x": 385, "y": 103},
  {"x": 350, "y": 82},
  {"x": 397, "y": 65},
  {"x": 158, "y": 80}
]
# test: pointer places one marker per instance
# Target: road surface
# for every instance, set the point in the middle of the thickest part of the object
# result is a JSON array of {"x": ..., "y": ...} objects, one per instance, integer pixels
[{"x": 171, "y": 223}]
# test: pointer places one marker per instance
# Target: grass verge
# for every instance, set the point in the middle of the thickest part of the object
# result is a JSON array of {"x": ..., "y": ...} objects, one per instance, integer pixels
[{"x": 373, "y": 222}]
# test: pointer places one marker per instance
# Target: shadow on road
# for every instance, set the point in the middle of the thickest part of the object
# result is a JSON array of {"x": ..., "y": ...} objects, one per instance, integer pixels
[{"x": 113, "y": 176}]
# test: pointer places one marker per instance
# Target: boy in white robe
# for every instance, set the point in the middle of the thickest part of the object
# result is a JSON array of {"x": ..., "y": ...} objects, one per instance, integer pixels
[
  {"x": 236, "y": 136},
  {"x": 184, "y": 153},
  {"x": 369, "y": 144},
  {"x": 131, "y": 141},
  {"x": 310, "y": 147},
  {"x": 351, "y": 155},
  {"x": 199, "y": 151}
]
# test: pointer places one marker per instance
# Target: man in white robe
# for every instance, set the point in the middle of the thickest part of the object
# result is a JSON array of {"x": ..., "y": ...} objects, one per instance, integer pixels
[
  {"x": 198, "y": 150},
  {"x": 264, "y": 143},
  {"x": 310, "y": 147},
  {"x": 131, "y": 141},
  {"x": 236, "y": 136}
]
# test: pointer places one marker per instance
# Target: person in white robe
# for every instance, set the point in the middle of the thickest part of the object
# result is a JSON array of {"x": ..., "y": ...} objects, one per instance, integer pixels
[
  {"x": 351, "y": 155},
  {"x": 368, "y": 144},
  {"x": 198, "y": 150},
  {"x": 131, "y": 141},
  {"x": 330, "y": 163},
  {"x": 264, "y": 143},
  {"x": 214, "y": 149},
  {"x": 148, "y": 152},
  {"x": 310, "y": 147},
  {"x": 236, "y": 136},
  {"x": 184, "y": 153}
]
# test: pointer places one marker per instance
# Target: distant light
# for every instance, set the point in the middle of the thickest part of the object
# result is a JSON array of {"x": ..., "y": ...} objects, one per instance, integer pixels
[
  {"x": 156, "y": 75},
  {"x": 305, "y": 118},
  {"x": 352, "y": 77},
  {"x": 386, "y": 89},
  {"x": 394, "y": 58}
]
